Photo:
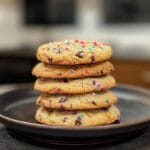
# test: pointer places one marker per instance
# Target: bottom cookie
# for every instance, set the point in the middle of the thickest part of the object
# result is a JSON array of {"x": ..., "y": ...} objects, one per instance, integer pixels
[{"x": 78, "y": 118}]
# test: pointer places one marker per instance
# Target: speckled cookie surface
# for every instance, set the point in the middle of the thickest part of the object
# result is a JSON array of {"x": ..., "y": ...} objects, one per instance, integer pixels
[
  {"x": 57, "y": 71},
  {"x": 74, "y": 86},
  {"x": 73, "y": 52},
  {"x": 78, "y": 118},
  {"x": 77, "y": 102}
]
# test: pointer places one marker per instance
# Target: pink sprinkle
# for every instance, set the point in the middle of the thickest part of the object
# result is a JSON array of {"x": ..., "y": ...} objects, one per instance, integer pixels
[
  {"x": 105, "y": 44},
  {"x": 96, "y": 44},
  {"x": 82, "y": 42}
]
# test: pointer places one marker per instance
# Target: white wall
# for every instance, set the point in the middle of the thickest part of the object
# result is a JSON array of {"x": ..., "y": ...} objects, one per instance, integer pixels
[{"x": 13, "y": 33}]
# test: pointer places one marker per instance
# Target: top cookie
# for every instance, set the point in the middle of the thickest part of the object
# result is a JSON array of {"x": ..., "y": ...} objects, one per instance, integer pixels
[{"x": 73, "y": 52}]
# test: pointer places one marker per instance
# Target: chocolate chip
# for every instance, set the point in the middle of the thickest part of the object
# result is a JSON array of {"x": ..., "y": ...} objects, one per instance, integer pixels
[
  {"x": 64, "y": 119},
  {"x": 74, "y": 68},
  {"x": 38, "y": 102},
  {"x": 94, "y": 82},
  {"x": 103, "y": 89},
  {"x": 63, "y": 99},
  {"x": 93, "y": 103},
  {"x": 64, "y": 80},
  {"x": 50, "y": 101},
  {"x": 58, "y": 51},
  {"x": 80, "y": 54},
  {"x": 104, "y": 108},
  {"x": 92, "y": 58},
  {"x": 62, "y": 107},
  {"x": 78, "y": 121},
  {"x": 102, "y": 72},
  {"x": 49, "y": 60},
  {"x": 43, "y": 79}
]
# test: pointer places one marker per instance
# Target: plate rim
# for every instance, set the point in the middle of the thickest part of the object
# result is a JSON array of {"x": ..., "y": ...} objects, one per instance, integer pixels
[{"x": 89, "y": 128}]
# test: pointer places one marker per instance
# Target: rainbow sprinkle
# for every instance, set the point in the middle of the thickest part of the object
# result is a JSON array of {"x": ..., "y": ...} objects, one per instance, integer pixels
[{"x": 107, "y": 101}]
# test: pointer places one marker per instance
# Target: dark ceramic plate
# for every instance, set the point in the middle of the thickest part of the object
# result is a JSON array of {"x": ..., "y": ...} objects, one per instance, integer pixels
[{"x": 17, "y": 109}]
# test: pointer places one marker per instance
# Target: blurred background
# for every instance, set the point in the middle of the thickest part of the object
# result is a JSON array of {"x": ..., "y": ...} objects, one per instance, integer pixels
[{"x": 124, "y": 24}]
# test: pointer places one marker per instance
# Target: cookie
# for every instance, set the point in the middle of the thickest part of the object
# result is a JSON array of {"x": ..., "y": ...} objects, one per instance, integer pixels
[
  {"x": 78, "y": 118},
  {"x": 74, "y": 86},
  {"x": 57, "y": 71},
  {"x": 77, "y": 102},
  {"x": 74, "y": 52}
]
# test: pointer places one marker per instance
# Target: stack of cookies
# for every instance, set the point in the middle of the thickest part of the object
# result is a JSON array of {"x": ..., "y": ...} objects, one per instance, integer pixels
[{"x": 74, "y": 81}]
